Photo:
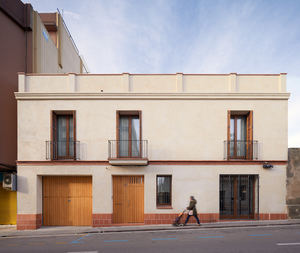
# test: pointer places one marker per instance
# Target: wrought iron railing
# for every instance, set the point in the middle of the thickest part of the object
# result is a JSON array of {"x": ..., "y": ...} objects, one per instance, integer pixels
[
  {"x": 62, "y": 150},
  {"x": 247, "y": 150},
  {"x": 127, "y": 149}
]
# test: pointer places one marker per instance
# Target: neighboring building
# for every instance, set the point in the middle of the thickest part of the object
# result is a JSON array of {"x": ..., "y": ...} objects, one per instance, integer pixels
[
  {"x": 30, "y": 42},
  {"x": 293, "y": 183},
  {"x": 97, "y": 150}
]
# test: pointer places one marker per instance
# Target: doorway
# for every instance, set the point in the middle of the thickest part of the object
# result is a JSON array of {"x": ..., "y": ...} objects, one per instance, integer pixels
[
  {"x": 238, "y": 196},
  {"x": 128, "y": 199}
]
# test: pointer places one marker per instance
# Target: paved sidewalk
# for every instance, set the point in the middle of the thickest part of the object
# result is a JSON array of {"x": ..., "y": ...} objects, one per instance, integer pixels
[{"x": 10, "y": 231}]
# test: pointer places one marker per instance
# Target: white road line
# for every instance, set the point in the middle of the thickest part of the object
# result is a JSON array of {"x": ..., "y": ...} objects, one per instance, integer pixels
[
  {"x": 83, "y": 252},
  {"x": 288, "y": 244}
]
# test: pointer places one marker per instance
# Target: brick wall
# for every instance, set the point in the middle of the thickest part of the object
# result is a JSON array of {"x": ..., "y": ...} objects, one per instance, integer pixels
[{"x": 29, "y": 221}]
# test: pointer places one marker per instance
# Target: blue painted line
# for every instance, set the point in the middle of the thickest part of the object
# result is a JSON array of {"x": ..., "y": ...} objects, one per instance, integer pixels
[
  {"x": 78, "y": 240},
  {"x": 261, "y": 235},
  {"x": 163, "y": 239},
  {"x": 211, "y": 237},
  {"x": 116, "y": 241}
]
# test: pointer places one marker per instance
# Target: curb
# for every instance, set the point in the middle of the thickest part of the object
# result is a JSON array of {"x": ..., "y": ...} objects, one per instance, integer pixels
[{"x": 149, "y": 229}]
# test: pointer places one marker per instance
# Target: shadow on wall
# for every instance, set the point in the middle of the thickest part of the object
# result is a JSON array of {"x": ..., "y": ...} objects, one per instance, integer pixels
[
  {"x": 83, "y": 151},
  {"x": 22, "y": 184},
  {"x": 293, "y": 183}
]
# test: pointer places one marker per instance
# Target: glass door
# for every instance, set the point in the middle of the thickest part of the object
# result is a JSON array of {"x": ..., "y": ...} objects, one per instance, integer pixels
[
  {"x": 238, "y": 137},
  {"x": 238, "y": 196},
  {"x": 64, "y": 137},
  {"x": 129, "y": 144}
]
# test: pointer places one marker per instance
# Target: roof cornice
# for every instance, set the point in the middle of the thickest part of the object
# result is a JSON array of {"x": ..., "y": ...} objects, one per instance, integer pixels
[{"x": 151, "y": 96}]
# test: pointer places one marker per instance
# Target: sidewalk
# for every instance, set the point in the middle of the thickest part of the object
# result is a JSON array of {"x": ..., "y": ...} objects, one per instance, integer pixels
[{"x": 10, "y": 231}]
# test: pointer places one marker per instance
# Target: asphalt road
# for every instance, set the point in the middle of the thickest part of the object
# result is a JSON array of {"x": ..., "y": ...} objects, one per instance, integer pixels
[{"x": 255, "y": 239}]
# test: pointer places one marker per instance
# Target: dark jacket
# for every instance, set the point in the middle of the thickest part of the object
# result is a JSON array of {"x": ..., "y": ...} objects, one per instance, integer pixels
[{"x": 192, "y": 206}]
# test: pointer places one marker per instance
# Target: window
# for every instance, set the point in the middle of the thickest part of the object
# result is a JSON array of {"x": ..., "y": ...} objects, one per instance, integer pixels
[
  {"x": 163, "y": 190},
  {"x": 240, "y": 135},
  {"x": 129, "y": 134},
  {"x": 63, "y": 135}
]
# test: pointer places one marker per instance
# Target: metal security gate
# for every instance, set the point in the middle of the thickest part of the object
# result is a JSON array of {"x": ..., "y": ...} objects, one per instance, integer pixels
[{"x": 239, "y": 196}]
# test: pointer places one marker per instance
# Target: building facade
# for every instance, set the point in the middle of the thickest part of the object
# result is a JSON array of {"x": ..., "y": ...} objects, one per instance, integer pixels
[
  {"x": 98, "y": 150},
  {"x": 30, "y": 42}
]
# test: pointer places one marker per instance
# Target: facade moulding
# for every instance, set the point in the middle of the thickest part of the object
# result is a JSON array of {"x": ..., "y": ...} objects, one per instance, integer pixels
[
  {"x": 156, "y": 162},
  {"x": 151, "y": 96}
]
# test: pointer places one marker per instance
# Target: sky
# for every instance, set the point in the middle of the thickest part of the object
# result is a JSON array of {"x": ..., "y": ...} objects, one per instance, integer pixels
[{"x": 189, "y": 36}]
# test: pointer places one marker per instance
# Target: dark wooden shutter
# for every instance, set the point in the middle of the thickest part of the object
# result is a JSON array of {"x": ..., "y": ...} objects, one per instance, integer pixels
[
  {"x": 228, "y": 134},
  {"x": 53, "y": 136},
  {"x": 250, "y": 135}
]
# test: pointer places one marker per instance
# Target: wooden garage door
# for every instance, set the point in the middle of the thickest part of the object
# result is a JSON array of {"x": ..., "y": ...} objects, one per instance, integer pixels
[
  {"x": 67, "y": 201},
  {"x": 128, "y": 199}
]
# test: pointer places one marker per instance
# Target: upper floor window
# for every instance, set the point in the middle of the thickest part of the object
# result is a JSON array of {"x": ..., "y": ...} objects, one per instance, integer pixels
[
  {"x": 240, "y": 134},
  {"x": 63, "y": 135},
  {"x": 129, "y": 134}
]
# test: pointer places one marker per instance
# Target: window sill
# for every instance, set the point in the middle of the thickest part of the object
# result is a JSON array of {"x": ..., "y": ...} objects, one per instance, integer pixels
[{"x": 164, "y": 207}]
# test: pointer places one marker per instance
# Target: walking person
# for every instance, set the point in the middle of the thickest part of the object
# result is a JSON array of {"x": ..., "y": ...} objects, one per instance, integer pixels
[{"x": 192, "y": 210}]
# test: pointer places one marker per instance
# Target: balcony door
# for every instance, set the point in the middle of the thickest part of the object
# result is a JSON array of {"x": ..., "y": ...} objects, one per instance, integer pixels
[
  {"x": 240, "y": 143},
  {"x": 129, "y": 135},
  {"x": 63, "y": 144}
]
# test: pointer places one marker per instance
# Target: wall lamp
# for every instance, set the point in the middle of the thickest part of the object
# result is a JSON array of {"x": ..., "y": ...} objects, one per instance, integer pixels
[{"x": 267, "y": 165}]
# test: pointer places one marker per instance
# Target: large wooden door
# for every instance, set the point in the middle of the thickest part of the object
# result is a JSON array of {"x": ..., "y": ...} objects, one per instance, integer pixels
[
  {"x": 67, "y": 201},
  {"x": 128, "y": 199}
]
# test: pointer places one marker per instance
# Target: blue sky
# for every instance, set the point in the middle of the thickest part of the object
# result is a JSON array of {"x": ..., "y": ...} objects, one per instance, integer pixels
[{"x": 190, "y": 36}]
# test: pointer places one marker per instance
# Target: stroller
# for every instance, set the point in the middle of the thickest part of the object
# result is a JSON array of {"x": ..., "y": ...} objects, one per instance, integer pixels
[{"x": 176, "y": 222}]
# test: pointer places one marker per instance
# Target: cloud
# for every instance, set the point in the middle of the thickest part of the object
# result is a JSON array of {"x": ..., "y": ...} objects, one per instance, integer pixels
[{"x": 71, "y": 15}]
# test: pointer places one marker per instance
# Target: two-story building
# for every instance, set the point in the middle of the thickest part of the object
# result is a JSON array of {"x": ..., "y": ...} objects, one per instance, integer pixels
[{"x": 104, "y": 149}]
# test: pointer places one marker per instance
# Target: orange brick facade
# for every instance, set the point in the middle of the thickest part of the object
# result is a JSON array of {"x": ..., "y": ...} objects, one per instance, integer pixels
[
  {"x": 103, "y": 220},
  {"x": 34, "y": 221},
  {"x": 29, "y": 221}
]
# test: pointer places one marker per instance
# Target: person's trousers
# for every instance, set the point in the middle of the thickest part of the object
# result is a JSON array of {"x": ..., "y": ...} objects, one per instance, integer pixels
[{"x": 188, "y": 217}]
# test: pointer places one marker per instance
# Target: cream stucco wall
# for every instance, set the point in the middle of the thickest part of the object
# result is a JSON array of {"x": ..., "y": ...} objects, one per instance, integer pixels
[
  {"x": 175, "y": 130},
  {"x": 184, "y": 117},
  {"x": 200, "y": 181}
]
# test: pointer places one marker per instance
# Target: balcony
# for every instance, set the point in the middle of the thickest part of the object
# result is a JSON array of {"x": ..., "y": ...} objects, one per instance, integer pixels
[
  {"x": 241, "y": 150},
  {"x": 128, "y": 152},
  {"x": 62, "y": 150}
]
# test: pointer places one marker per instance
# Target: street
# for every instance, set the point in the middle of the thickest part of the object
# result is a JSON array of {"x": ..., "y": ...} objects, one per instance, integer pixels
[{"x": 283, "y": 238}]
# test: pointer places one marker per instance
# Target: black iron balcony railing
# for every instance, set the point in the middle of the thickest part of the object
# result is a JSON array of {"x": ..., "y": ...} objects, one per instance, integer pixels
[
  {"x": 62, "y": 150},
  {"x": 127, "y": 149},
  {"x": 247, "y": 150}
]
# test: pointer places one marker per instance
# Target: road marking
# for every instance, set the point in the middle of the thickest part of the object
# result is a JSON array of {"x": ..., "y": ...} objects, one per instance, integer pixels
[
  {"x": 36, "y": 243},
  {"x": 116, "y": 241},
  {"x": 288, "y": 244},
  {"x": 78, "y": 240},
  {"x": 204, "y": 237},
  {"x": 261, "y": 235},
  {"x": 163, "y": 239},
  {"x": 83, "y": 252}
]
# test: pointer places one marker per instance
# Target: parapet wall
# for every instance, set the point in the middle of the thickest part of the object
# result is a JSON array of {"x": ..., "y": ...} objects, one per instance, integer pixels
[{"x": 154, "y": 83}]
